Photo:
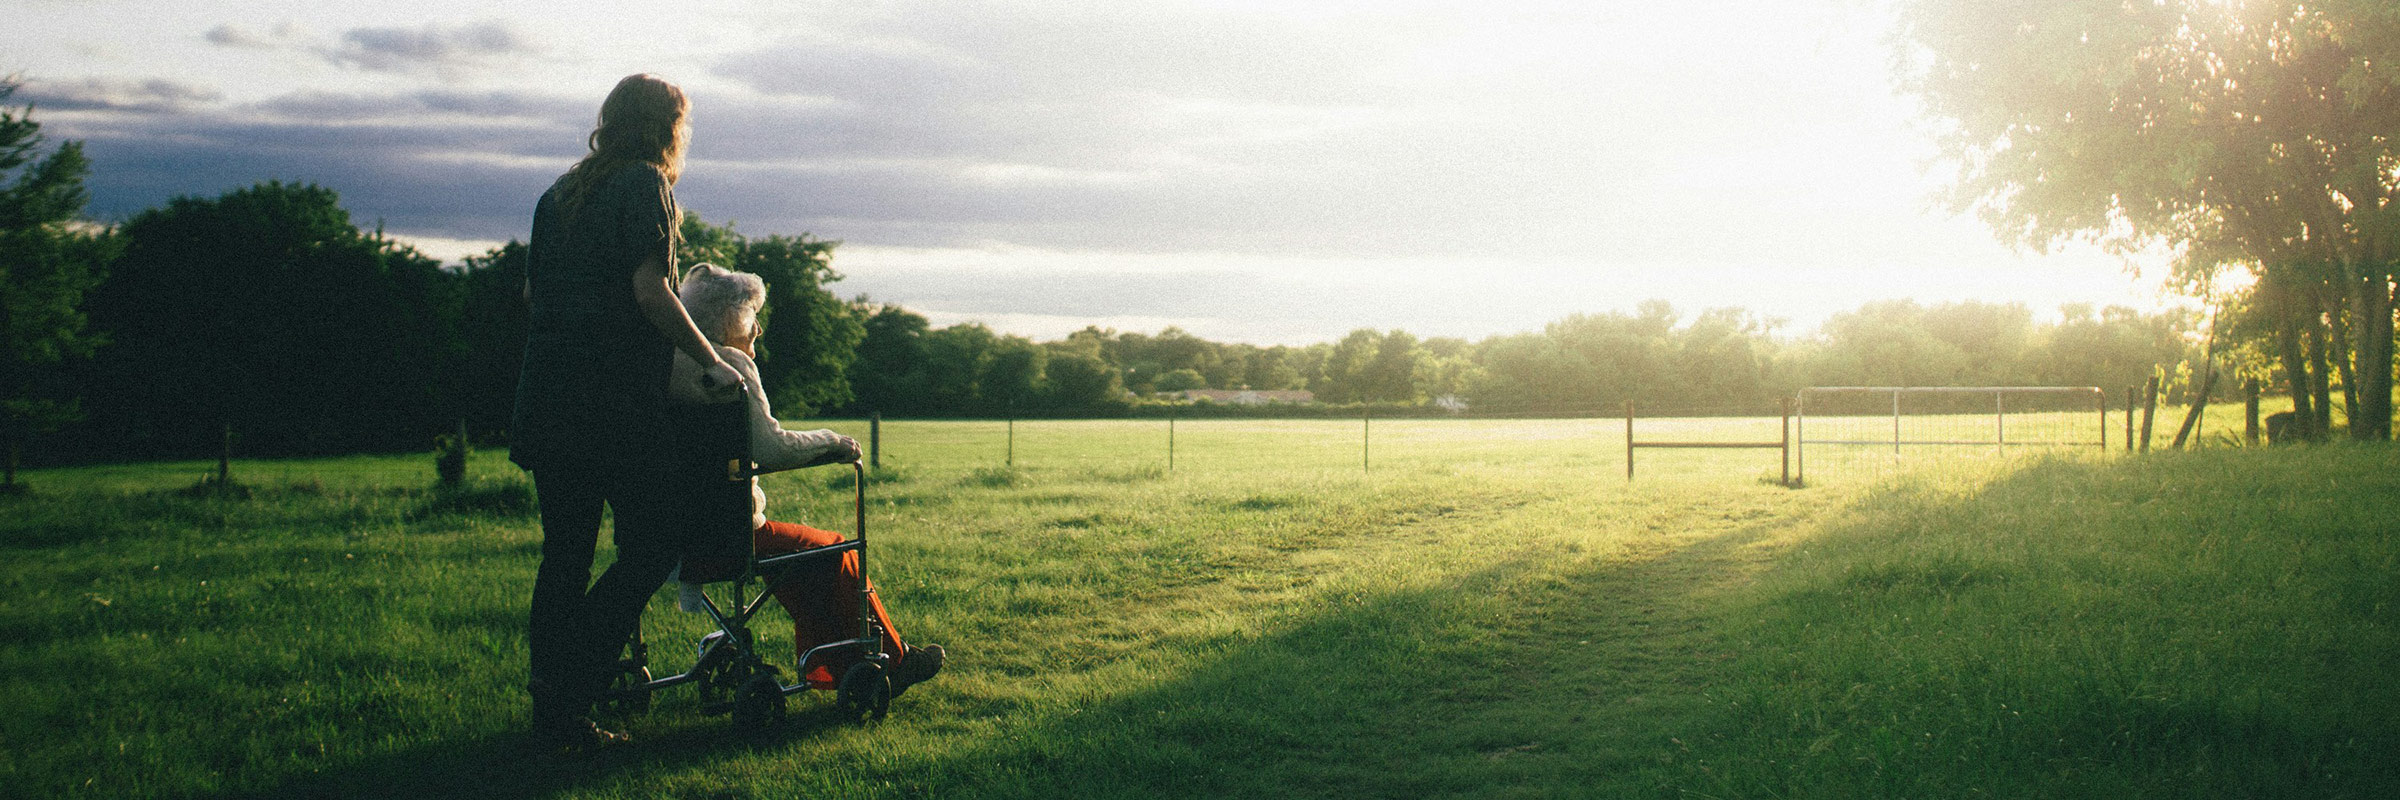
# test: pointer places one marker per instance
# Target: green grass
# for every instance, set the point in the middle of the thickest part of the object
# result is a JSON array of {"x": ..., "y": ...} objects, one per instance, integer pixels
[{"x": 1486, "y": 609}]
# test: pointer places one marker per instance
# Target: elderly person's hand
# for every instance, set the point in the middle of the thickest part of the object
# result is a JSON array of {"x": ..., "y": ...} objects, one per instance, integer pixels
[{"x": 844, "y": 451}]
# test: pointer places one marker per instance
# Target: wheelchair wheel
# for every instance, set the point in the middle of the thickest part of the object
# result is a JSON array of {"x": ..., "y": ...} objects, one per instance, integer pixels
[
  {"x": 628, "y": 692},
  {"x": 759, "y": 701},
  {"x": 864, "y": 692}
]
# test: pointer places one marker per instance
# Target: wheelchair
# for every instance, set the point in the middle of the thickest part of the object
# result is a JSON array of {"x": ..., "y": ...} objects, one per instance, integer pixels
[{"x": 711, "y": 478}]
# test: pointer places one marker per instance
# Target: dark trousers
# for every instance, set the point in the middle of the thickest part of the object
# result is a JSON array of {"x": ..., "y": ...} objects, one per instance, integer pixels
[{"x": 578, "y": 626}]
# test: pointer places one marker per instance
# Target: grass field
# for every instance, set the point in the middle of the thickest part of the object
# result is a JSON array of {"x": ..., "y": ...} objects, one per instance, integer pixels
[{"x": 1476, "y": 609}]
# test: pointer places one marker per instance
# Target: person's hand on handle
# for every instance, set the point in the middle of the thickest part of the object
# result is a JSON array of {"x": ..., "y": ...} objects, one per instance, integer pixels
[
  {"x": 723, "y": 382},
  {"x": 843, "y": 451}
]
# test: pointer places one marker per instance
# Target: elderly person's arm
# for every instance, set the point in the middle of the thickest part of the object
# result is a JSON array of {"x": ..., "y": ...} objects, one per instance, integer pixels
[
  {"x": 775, "y": 448},
  {"x": 656, "y": 297}
]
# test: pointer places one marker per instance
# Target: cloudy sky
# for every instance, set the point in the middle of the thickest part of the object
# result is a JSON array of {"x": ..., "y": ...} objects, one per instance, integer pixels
[{"x": 1279, "y": 171}]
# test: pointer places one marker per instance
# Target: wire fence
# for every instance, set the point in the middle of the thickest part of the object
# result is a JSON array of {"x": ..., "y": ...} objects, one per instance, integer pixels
[
  {"x": 1876, "y": 427},
  {"x": 1596, "y": 445},
  {"x": 1823, "y": 432}
]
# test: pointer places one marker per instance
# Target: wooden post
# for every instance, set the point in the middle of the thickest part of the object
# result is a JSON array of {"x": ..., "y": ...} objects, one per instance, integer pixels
[
  {"x": 2191, "y": 420},
  {"x": 2100, "y": 397},
  {"x": 875, "y": 440},
  {"x": 1629, "y": 440},
  {"x": 2130, "y": 405},
  {"x": 2000, "y": 422},
  {"x": 457, "y": 458},
  {"x": 1895, "y": 424},
  {"x": 2149, "y": 410},
  {"x": 1170, "y": 441},
  {"x": 1786, "y": 451},
  {"x": 225, "y": 459},
  {"x": 1012, "y": 442},
  {"x": 2250, "y": 412}
]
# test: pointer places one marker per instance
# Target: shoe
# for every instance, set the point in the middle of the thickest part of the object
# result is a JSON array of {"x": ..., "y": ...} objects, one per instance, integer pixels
[
  {"x": 917, "y": 665},
  {"x": 574, "y": 733}
]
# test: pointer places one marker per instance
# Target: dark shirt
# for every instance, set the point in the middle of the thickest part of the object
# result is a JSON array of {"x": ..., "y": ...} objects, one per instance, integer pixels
[{"x": 592, "y": 391}]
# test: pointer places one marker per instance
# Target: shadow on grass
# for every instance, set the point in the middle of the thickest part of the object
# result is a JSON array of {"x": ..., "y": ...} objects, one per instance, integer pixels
[
  {"x": 1514, "y": 674},
  {"x": 513, "y": 765},
  {"x": 1511, "y": 680}
]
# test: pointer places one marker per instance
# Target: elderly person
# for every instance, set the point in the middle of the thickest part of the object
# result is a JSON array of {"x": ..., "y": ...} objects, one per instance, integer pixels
[{"x": 824, "y": 607}]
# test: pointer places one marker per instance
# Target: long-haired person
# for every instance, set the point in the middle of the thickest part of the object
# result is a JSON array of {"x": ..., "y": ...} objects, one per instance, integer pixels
[{"x": 603, "y": 328}]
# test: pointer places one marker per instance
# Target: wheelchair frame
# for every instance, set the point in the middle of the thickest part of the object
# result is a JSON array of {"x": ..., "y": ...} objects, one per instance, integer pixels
[{"x": 732, "y": 675}]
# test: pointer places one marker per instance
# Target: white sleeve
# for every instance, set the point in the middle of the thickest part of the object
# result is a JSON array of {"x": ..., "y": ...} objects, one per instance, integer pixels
[{"x": 770, "y": 445}]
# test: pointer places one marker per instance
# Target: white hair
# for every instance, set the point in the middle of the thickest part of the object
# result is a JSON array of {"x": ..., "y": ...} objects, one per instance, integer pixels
[{"x": 721, "y": 301}]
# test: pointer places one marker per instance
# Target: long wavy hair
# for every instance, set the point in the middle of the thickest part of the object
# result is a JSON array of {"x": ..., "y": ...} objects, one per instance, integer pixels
[{"x": 645, "y": 120}]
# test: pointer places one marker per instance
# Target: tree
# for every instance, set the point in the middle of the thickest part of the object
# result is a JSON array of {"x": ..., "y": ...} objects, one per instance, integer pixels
[
  {"x": 1080, "y": 382},
  {"x": 1344, "y": 376},
  {"x": 266, "y": 310},
  {"x": 47, "y": 266},
  {"x": 2112, "y": 348},
  {"x": 955, "y": 360},
  {"x": 1888, "y": 343},
  {"x": 2249, "y": 135},
  {"x": 1010, "y": 382},
  {"x": 1180, "y": 380},
  {"x": 1392, "y": 375},
  {"x": 1273, "y": 368},
  {"x": 492, "y": 325},
  {"x": 1721, "y": 359},
  {"x": 889, "y": 376}
]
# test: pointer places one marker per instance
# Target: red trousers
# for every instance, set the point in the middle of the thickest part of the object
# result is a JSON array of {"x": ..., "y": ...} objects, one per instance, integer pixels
[{"x": 822, "y": 599}]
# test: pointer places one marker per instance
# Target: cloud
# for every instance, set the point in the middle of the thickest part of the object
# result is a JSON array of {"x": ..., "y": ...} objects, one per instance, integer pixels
[
  {"x": 491, "y": 107},
  {"x": 446, "y": 51},
  {"x": 100, "y": 94},
  {"x": 1150, "y": 129},
  {"x": 442, "y": 164},
  {"x": 230, "y": 35},
  {"x": 435, "y": 46}
]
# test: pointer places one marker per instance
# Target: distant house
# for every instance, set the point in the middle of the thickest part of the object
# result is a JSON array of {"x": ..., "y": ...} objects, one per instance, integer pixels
[{"x": 1247, "y": 397}]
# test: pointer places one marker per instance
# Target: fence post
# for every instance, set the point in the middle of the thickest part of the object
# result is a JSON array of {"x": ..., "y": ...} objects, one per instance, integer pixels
[
  {"x": 1895, "y": 423},
  {"x": 2190, "y": 430},
  {"x": 225, "y": 459},
  {"x": 1170, "y": 440},
  {"x": 1785, "y": 452},
  {"x": 2149, "y": 410},
  {"x": 875, "y": 440},
  {"x": 2100, "y": 397},
  {"x": 1628, "y": 440},
  {"x": 2129, "y": 407},
  {"x": 2000, "y": 422},
  {"x": 1012, "y": 442},
  {"x": 2250, "y": 412}
]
